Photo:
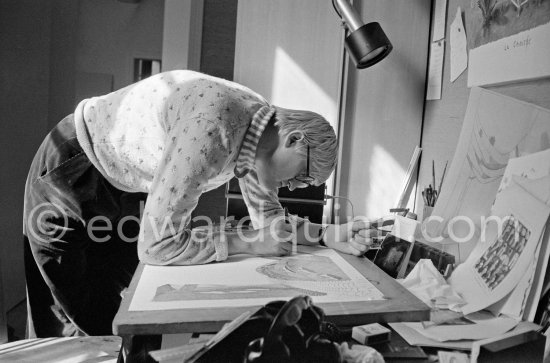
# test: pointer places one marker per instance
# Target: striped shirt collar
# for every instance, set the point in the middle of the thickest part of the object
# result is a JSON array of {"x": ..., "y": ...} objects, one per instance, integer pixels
[{"x": 247, "y": 153}]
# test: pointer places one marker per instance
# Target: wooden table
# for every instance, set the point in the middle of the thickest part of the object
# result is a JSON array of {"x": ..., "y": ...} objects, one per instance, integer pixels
[{"x": 399, "y": 305}]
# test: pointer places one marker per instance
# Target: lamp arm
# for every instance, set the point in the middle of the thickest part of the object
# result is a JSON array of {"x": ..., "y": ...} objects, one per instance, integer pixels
[{"x": 349, "y": 15}]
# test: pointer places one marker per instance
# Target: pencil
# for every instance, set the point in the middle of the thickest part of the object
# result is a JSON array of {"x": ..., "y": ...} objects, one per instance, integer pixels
[{"x": 294, "y": 241}]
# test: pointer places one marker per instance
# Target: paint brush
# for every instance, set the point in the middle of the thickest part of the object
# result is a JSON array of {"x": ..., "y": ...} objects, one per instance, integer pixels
[
  {"x": 442, "y": 177},
  {"x": 433, "y": 173}
]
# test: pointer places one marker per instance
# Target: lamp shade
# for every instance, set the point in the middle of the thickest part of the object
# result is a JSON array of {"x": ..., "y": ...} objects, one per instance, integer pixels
[{"x": 368, "y": 45}]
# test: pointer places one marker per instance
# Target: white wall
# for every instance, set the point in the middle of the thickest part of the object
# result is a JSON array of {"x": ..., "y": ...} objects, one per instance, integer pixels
[
  {"x": 181, "y": 41},
  {"x": 44, "y": 44},
  {"x": 385, "y": 108},
  {"x": 112, "y": 33},
  {"x": 291, "y": 53},
  {"x": 25, "y": 42}
]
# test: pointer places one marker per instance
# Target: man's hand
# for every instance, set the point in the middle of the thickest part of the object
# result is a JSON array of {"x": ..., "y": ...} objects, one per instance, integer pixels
[
  {"x": 353, "y": 237},
  {"x": 273, "y": 240}
]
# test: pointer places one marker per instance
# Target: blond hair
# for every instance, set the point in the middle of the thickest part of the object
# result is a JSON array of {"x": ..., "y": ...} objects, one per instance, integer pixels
[{"x": 318, "y": 134}]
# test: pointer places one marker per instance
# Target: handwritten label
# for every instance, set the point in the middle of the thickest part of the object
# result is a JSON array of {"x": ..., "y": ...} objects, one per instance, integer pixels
[{"x": 523, "y": 43}]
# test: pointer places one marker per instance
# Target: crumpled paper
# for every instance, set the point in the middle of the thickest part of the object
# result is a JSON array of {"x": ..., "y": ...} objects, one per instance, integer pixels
[
  {"x": 360, "y": 354},
  {"x": 426, "y": 283}
]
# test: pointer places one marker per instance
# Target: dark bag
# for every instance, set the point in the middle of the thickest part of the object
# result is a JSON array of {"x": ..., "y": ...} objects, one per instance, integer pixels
[{"x": 293, "y": 331}]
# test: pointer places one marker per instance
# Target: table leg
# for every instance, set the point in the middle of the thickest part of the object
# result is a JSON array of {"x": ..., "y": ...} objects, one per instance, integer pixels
[
  {"x": 136, "y": 348},
  {"x": 174, "y": 340}
]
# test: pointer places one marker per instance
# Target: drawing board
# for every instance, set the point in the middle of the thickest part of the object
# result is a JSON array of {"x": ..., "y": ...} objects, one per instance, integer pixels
[
  {"x": 396, "y": 304},
  {"x": 250, "y": 281}
]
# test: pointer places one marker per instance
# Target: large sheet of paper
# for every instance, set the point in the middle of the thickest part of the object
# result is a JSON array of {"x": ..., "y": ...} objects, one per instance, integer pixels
[
  {"x": 508, "y": 41},
  {"x": 435, "y": 70},
  {"x": 532, "y": 173},
  {"x": 495, "y": 129},
  {"x": 459, "y": 53},
  {"x": 439, "y": 16},
  {"x": 480, "y": 325},
  {"x": 507, "y": 247},
  {"x": 253, "y": 281},
  {"x": 413, "y": 337}
]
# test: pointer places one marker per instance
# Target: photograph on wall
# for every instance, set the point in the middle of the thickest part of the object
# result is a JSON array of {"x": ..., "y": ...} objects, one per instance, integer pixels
[
  {"x": 253, "y": 281},
  {"x": 508, "y": 40}
]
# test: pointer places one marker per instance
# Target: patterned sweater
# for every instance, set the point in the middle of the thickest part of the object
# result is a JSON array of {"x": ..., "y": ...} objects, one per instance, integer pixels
[{"x": 177, "y": 135}]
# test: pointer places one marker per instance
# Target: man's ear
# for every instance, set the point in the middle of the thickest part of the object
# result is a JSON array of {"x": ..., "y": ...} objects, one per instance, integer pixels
[{"x": 293, "y": 138}]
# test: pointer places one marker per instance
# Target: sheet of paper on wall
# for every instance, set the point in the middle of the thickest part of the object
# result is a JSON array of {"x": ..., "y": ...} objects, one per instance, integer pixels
[
  {"x": 508, "y": 42},
  {"x": 495, "y": 129},
  {"x": 439, "y": 15},
  {"x": 435, "y": 70},
  {"x": 253, "y": 281},
  {"x": 529, "y": 171},
  {"x": 459, "y": 52},
  {"x": 532, "y": 173},
  {"x": 506, "y": 248}
]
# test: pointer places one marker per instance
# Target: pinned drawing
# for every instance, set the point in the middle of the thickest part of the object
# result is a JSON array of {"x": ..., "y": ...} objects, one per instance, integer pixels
[
  {"x": 252, "y": 281},
  {"x": 495, "y": 129},
  {"x": 508, "y": 40}
]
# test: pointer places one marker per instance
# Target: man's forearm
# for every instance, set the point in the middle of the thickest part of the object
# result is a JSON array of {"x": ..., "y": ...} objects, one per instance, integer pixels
[
  {"x": 235, "y": 243},
  {"x": 309, "y": 233}
]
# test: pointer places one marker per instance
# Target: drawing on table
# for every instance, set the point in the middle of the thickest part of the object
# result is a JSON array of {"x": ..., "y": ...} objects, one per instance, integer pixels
[
  {"x": 499, "y": 259},
  {"x": 253, "y": 281},
  {"x": 190, "y": 292},
  {"x": 303, "y": 268}
]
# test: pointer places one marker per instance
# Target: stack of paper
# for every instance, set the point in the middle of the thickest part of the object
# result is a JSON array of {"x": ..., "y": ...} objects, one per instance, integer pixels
[
  {"x": 505, "y": 272},
  {"x": 506, "y": 269}
]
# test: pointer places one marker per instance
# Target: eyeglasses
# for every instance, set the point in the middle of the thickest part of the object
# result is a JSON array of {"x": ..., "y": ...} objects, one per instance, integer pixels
[{"x": 306, "y": 179}]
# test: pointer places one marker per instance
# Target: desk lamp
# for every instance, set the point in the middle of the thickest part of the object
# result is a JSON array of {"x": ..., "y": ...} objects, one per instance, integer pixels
[{"x": 366, "y": 43}]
